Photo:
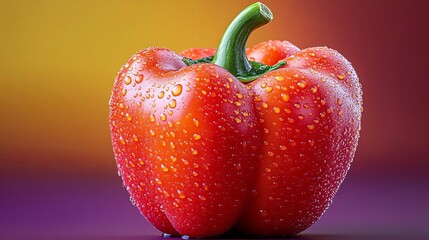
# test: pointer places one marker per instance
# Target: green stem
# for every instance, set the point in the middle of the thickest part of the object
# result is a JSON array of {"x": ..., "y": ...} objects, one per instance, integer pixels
[{"x": 231, "y": 53}]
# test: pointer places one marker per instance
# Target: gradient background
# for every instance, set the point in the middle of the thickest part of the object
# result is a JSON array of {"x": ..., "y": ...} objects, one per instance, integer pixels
[{"x": 58, "y": 60}]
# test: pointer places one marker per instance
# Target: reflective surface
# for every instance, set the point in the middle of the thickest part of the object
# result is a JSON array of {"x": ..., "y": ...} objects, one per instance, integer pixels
[{"x": 383, "y": 205}]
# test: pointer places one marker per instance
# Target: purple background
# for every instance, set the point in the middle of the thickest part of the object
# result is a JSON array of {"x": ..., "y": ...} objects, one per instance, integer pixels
[{"x": 386, "y": 204}]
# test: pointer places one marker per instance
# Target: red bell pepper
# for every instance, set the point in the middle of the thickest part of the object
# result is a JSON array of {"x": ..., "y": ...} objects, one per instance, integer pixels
[{"x": 207, "y": 144}]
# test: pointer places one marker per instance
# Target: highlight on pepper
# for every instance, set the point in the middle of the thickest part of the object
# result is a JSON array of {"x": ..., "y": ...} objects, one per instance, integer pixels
[{"x": 252, "y": 141}]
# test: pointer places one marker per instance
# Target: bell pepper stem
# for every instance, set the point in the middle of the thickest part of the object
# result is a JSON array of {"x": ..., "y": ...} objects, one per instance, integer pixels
[{"x": 231, "y": 53}]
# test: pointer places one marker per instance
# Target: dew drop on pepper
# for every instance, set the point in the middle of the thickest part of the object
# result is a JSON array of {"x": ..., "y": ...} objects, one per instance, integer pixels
[
  {"x": 164, "y": 168},
  {"x": 139, "y": 78},
  {"x": 301, "y": 84},
  {"x": 177, "y": 90},
  {"x": 265, "y": 105},
  {"x": 127, "y": 80},
  {"x": 129, "y": 118},
  {"x": 161, "y": 94},
  {"x": 279, "y": 78},
  {"x": 285, "y": 97},
  {"x": 340, "y": 76},
  {"x": 196, "y": 122},
  {"x": 172, "y": 103},
  {"x": 135, "y": 138},
  {"x": 314, "y": 89},
  {"x": 152, "y": 118}
]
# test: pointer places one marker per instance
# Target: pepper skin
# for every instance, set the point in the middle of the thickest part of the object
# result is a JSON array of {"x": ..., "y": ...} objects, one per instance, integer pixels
[{"x": 201, "y": 152}]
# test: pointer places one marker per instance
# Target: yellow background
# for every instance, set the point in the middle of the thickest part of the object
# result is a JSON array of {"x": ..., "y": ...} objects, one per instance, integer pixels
[{"x": 58, "y": 61}]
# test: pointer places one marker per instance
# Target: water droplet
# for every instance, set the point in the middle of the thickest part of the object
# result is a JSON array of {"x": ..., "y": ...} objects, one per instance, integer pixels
[
  {"x": 177, "y": 90},
  {"x": 202, "y": 198},
  {"x": 237, "y": 120},
  {"x": 181, "y": 195},
  {"x": 121, "y": 106},
  {"x": 128, "y": 80},
  {"x": 163, "y": 117},
  {"x": 264, "y": 85},
  {"x": 239, "y": 95},
  {"x": 152, "y": 132},
  {"x": 314, "y": 89},
  {"x": 194, "y": 151},
  {"x": 279, "y": 78},
  {"x": 310, "y": 126},
  {"x": 269, "y": 89},
  {"x": 270, "y": 154},
  {"x": 197, "y": 136},
  {"x": 152, "y": 118},
  {"x": 339, "y": 102},
  {"x": 133, "y": 202},
  {"x": 129, "y": 118},
  {"x": 265, "y": 105},
  {"x": 196, "y": 122},
  {"x": 139, "y": 78},
  {"x": 161, "y": 94},
  {"x": 297, "y": 105},
  {"x": 285, "y": 97},
  {"x": 121, "y": 139},
  {"x": 340, "y": 76},
  {"x": 172, "y": 103},
  {"x": 135, "y": 138},
  {"x": 301, "y": 84},
  {"x": 276, "y": 109},
  {"x": 164, "y": 168}
]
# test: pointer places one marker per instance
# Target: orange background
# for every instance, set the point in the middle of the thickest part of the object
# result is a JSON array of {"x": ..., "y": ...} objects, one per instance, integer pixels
[{"x": 58, "y": 61}]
